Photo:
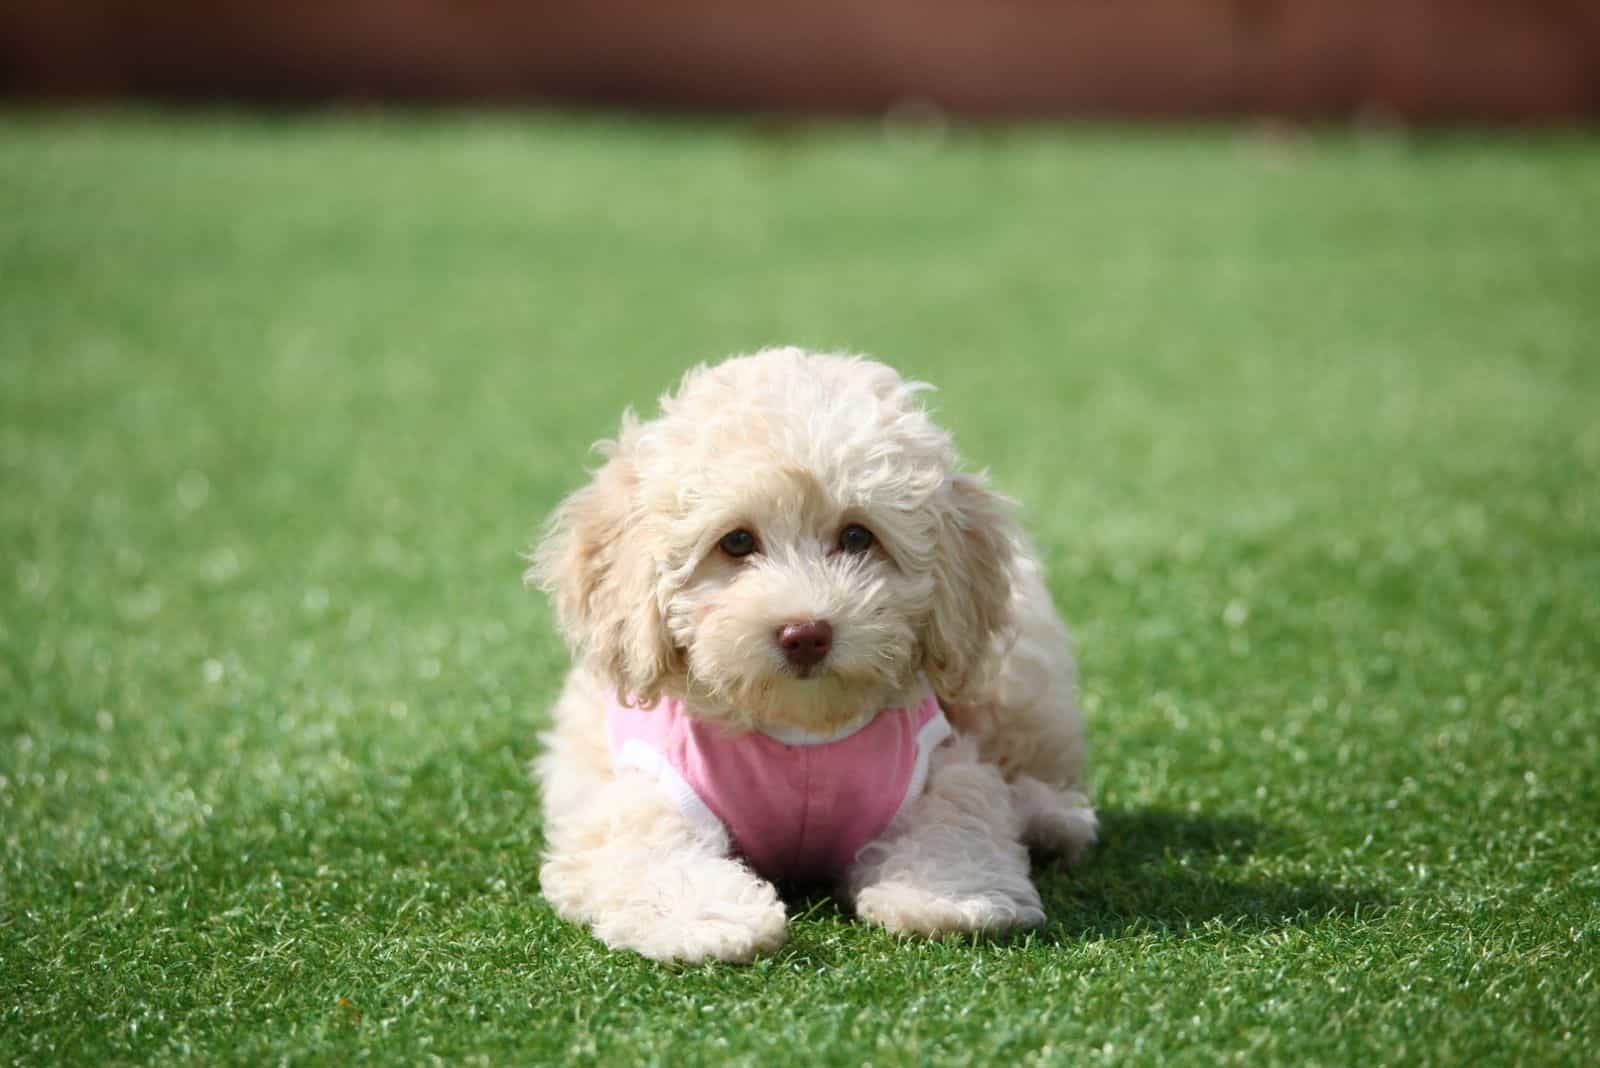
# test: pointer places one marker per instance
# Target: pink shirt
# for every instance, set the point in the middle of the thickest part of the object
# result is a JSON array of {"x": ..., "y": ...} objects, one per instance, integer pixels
[{"x": 793, "y": 805}]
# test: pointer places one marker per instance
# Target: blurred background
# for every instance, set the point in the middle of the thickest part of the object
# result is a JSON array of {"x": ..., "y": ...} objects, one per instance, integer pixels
[{"x": 1523, "y": 60}]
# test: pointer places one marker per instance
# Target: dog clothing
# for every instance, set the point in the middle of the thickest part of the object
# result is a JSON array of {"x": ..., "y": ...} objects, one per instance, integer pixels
[{"x": 794, "y": 804}]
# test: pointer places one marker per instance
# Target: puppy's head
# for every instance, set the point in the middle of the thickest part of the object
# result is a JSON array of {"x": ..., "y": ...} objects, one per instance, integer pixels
[{"x": 788, "y": 544}]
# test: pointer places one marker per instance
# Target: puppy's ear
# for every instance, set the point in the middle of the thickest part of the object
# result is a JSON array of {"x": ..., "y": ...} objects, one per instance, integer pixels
[
  {"x": 973, "y": 573},
  {"x": 596, "y": 564}
]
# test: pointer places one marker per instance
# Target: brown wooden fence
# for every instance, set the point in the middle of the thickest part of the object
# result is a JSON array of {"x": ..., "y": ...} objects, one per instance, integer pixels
[{"x": 1514, "y": 60}]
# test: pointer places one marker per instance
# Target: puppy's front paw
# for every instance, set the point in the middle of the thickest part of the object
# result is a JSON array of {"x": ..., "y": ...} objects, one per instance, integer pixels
[
  {"x": 695, "y": 910},
  {"x": 909, "y": 909}
]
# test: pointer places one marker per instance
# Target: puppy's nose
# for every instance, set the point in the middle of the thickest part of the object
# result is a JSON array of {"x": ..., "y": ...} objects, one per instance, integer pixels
[{"x": 806, "y": 644}]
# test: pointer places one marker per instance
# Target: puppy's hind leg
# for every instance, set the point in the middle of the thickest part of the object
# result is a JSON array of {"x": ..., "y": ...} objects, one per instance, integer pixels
[
  {"x": 644, "y": 877},
  {"x": 1055, "y": 821},
  {"x": 953, "y": 861}
]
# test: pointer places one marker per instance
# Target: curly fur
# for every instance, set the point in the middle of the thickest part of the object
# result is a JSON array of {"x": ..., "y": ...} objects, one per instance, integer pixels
[{"x": 792, "y": 446}]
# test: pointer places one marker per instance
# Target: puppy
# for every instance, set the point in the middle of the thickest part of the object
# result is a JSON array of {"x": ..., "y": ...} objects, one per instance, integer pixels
[{"x": 807, "y": 645}]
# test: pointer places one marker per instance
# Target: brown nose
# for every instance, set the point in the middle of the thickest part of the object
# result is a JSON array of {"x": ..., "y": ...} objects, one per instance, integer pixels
[{"x": 806, "y": 644}]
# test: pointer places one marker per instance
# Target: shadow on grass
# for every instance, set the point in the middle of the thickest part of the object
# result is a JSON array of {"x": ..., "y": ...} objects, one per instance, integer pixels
[
  {"x": 1155, "y": 871},
  {"x": 1162, "y": 871}
]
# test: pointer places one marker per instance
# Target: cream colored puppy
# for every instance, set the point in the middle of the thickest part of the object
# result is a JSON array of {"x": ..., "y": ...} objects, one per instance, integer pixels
[{"x": 786, "y": 549}]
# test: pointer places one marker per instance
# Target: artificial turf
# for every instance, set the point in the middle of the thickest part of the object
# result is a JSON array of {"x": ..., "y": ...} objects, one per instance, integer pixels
[{"x": 1308, "y": 430}]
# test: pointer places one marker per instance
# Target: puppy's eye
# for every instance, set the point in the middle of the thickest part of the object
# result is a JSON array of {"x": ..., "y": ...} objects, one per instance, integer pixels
[
  {"x": 738, "y": 543},
  {"x": 855, "y": 538}
]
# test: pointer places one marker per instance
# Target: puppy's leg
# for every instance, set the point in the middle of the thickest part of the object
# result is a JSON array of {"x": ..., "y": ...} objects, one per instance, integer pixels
[
  {"x": 1056, "y": 821},
  {"x": 645, "y": 878},
  {"x": 954, "y": 860},
  {"x": 623, "y": 859}
]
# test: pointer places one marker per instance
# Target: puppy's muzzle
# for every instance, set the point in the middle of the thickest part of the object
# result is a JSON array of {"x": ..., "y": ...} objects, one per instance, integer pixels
[{"x": 805, "y": 645}]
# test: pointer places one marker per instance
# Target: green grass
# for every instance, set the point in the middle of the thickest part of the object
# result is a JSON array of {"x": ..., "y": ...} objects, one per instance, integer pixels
[{"x": 1309, "y": 434}]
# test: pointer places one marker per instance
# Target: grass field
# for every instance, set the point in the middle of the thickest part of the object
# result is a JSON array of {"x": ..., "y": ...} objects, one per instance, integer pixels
[{"x": 1308, "y": 432}]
